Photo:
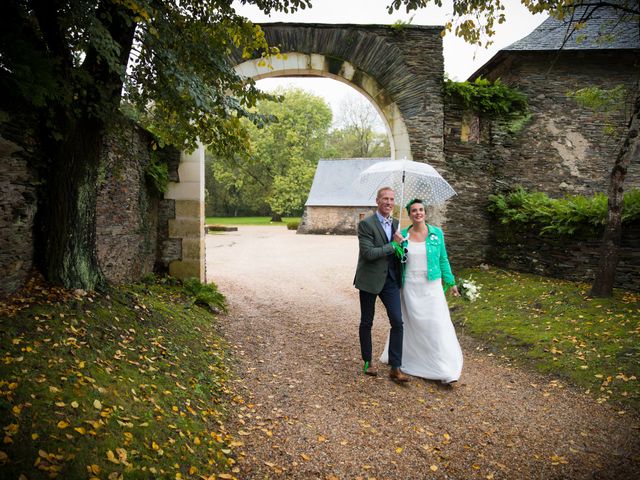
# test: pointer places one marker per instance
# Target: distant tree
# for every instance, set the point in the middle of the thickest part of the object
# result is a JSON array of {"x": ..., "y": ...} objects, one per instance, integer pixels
[
  {"x": 356, "y": 135},
  {"x": 279, "y": 165}
]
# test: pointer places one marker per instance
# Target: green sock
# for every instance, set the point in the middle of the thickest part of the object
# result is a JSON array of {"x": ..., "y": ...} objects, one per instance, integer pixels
[{"x": 366, "y": 367}]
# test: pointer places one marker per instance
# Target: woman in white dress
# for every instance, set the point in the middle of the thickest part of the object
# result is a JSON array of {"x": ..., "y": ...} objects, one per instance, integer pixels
[{"x": 430, "y": 347}]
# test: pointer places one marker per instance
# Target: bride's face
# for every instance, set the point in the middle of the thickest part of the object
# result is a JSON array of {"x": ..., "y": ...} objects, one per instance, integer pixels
[{"x": 416, "y": 213}]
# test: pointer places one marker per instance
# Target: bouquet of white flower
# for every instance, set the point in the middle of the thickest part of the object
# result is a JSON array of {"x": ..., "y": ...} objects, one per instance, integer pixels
[{"x": 468, "y": 289}]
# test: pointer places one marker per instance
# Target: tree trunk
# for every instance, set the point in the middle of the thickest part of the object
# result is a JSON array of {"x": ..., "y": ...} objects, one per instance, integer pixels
[
  {"x": 67, "y": 215},
  {"x": 276, "y": 217},
  {"x": 609, "y": 253}
]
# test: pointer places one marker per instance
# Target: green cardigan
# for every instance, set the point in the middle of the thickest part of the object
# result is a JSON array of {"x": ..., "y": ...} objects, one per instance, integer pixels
[{"x": 437, "y": 259}]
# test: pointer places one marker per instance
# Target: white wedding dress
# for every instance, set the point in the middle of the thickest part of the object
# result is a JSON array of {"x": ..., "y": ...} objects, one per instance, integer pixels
[{"x": 430, "y": 348}]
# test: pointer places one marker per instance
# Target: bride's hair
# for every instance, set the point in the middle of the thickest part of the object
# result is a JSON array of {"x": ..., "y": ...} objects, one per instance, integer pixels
[{"x": 411, "y": 202}]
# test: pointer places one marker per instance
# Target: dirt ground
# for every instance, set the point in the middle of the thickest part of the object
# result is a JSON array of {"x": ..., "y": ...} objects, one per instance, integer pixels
[{"x": 310, "y": 413}]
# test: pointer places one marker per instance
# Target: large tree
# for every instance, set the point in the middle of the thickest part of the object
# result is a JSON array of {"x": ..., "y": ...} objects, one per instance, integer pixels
[
  {"x": 68, "y": 64},
  {"x": 280, "y": 163}
]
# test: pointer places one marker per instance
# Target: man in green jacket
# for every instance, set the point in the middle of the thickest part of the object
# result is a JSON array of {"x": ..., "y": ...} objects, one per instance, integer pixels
[{"x": 378, "y": 275}]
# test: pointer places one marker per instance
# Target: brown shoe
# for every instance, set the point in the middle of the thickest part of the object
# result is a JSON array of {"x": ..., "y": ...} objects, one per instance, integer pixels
[
  {"x": 370, "y": 370},
  {"x": 397, "y": 375}
]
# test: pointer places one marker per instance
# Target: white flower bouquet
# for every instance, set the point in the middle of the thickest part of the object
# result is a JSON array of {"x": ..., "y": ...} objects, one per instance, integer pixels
[{"x": 468, "y": 289}]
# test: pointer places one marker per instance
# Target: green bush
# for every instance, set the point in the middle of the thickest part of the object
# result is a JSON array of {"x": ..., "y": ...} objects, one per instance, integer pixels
[
  {"x": 565, "y": 216},
  {"x": 491, "y": 98},
  {"x": 205, "y": 294},
  {"x": 293, "y": 225}
]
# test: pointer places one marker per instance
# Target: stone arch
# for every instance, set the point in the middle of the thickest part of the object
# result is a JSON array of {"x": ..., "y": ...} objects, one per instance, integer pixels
[
  {"x": 295, "y": 64},
  {"x": 400, "y": 69}
]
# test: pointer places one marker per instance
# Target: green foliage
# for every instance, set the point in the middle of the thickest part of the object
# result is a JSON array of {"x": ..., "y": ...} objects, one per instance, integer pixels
[
  {"x": 571, "y": 215},
  {"x": 555, "y": 327},
  {"x": 399, "y": 25},
  {"x": 293, "y": 225},
  {"x": 603, "y": 102},
  {"x": 484, "y": 97},
  {"x": 205, "y": 294},
  {"x": 157, "y": 175},
  {"x": 277, "y": 171}
]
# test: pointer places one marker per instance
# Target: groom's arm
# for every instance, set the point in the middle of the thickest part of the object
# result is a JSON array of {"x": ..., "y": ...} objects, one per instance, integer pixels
[{"x": 368, "y": 248}]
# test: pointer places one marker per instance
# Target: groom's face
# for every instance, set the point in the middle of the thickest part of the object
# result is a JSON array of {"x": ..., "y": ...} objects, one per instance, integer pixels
[{"x": 385, "y": 201}]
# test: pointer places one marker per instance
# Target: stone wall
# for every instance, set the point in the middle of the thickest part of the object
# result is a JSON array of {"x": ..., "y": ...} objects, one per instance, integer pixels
[
  {"x": 132, "y": 221},
  {"x": 565, "y": 148},
  {"x": 573, "y": 259},
  {"x": 332, "y": 220},
  {"x": 17, "y": 208},
  {"x": 126, "y": 212},
  {"x": 562, "y": 150}
]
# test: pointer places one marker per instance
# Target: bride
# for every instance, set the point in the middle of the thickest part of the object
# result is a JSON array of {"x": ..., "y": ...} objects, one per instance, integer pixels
[{"x": 430, "y": 347}]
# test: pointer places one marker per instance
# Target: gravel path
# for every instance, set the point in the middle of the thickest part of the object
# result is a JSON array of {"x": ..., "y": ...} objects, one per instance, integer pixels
[{"x": 309, "y": 413}]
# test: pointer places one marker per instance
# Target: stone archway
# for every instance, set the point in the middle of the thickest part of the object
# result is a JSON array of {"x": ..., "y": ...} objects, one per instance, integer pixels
[
  {"x": 294, "y": 64},
  {"x": 399, "y": 68}
]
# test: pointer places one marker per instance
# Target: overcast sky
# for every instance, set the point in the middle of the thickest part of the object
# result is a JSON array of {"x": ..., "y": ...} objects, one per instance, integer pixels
[{"x": 460, "y": 59}]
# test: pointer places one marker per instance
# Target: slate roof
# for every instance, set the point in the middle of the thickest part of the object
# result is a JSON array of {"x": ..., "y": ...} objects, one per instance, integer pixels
[
  {"x": 333, "y": 183},
  {"x": 606, "y": 29}
]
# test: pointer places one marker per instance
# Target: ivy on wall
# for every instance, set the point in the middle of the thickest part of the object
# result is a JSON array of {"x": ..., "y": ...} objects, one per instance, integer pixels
[
  {"x": 489, "y": 98},
  {"x": 157, "y": 173},
  {"x": 568, "y": 216}
]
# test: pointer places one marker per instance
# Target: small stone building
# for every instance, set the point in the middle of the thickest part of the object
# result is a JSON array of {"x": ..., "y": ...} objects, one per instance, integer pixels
[{"x": 335, "y": 205}]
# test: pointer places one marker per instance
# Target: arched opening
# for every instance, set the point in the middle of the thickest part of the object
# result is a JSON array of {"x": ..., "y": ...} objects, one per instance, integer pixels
[{"x": 314, "y": 65}]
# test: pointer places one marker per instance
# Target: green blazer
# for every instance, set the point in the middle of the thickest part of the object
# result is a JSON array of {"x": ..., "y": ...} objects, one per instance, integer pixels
[
  {"x": 373, "y": 261},
  {"x": 437, "y": 259}
]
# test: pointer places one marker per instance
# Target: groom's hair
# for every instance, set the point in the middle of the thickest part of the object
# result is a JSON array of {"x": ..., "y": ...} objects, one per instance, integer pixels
[{"x": 380, "y": 190}]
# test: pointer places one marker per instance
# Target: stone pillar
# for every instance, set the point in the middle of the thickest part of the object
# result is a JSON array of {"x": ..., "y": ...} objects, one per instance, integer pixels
[{"x": 188, "y": 225}]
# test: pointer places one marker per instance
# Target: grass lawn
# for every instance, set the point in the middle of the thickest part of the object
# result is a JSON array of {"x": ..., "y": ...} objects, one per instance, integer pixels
[
  {"x": 233, "y": 221},
  {"x": 554, "y": 327},
  {"x": 131, "y": 383}
]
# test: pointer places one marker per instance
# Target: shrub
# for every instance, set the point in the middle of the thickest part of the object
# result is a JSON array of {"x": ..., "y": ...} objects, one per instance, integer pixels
[
  {"x": 565, "y": 216},
  {"x": 293, "y": 225},
  {"x": 205, "y": 294}
]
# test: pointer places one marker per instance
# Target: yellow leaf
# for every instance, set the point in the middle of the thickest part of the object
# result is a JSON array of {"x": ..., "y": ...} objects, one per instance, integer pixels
[
  {"x": 192, "y": 470},
  {"x": 112, "y": 458},
  {"x": 399, "y": 450},
  {"x": 433, "y": 468},
  {"x": 305, "y": 457},
  {"x": 197, "y": 441},
  {"x": 61, "y": 404},
  {"x": 62, "y": 424},
  {"x": 34, "y": 436},
  {"x": 447, "y": 436},
  {"x": 321, "y": 438},
  {"x": 4, "y": 458},
  {"x": 155, "y": 446},
  {"x": 226, "y": 476},
  {"x": 75, "y": 404},
  {"x": 95, "y": 469},
  {"x": 97, "y": 405},
  {"x": 80, "y": 430}
]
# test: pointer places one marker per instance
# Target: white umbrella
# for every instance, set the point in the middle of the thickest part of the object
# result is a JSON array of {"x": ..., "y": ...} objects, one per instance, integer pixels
[{"x": 409, "y": 179}]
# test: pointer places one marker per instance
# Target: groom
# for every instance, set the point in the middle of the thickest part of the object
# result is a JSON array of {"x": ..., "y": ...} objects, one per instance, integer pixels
[{"x": 378, "y": 275}]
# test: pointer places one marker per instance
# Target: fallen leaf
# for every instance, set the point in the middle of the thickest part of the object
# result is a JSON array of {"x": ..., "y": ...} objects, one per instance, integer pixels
[
  {"x": 97, "y": 405},
  {"x": 433, "y": 468},
  {"x": 112, "y": 458}
]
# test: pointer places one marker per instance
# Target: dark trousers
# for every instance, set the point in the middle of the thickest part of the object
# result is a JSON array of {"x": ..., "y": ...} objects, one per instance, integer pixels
[{"x": 390, "y": 296}]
